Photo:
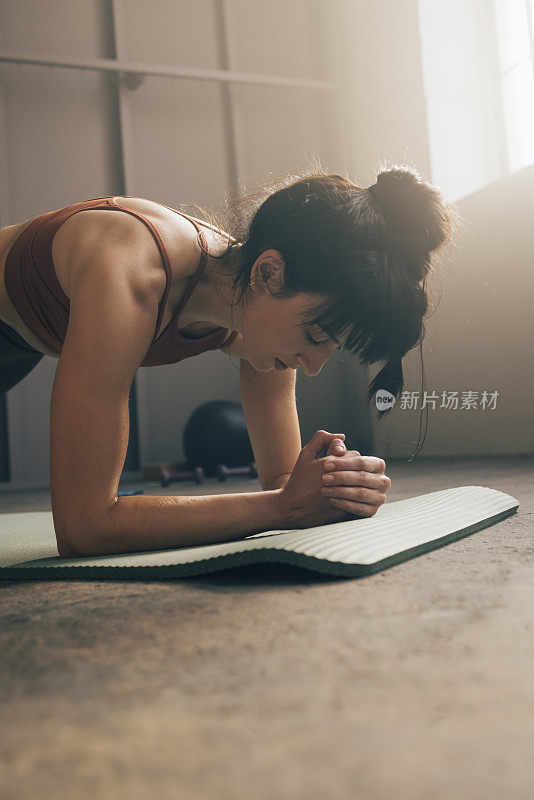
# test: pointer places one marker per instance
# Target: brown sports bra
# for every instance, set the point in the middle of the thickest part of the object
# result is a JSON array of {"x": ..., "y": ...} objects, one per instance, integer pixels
[{"x": 36, "y": 293}]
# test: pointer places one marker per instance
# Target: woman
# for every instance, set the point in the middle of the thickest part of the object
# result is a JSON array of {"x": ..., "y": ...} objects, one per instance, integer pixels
[{"x": 321, "y": 264}]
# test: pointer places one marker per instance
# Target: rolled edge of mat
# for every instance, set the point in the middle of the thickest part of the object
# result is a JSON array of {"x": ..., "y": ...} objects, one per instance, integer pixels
[{"x": 245, "y": 558}]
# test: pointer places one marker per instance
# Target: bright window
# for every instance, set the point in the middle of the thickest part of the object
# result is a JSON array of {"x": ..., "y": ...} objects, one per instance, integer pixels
[
  {"x": 478, "y": 75},
  {"x": 515, "y": 36}
]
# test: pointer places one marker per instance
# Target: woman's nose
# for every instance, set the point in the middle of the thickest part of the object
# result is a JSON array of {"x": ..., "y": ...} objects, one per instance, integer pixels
[{"x": 313, "y": 363}]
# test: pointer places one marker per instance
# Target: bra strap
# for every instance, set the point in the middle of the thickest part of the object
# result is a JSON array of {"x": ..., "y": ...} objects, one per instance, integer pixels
[
  {"x": 201, "y": 238},
  {"x": 162, "y": 249},
  {"x": 199, "y": 270}
]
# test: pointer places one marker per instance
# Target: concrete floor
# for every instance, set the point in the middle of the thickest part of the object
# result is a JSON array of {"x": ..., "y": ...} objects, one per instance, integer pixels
[{"x": 276, "y": 683}]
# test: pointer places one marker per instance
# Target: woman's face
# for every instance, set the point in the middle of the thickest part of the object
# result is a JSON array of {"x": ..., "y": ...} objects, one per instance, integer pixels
[{"x": 272, "y": 327}]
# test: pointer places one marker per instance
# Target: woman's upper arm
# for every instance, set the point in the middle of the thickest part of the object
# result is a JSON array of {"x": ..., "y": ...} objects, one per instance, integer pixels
[{"x": 113, "y": 312}]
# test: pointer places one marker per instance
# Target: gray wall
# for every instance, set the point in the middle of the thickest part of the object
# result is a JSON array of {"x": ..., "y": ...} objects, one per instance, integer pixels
[{"x": 69, "y": 136}]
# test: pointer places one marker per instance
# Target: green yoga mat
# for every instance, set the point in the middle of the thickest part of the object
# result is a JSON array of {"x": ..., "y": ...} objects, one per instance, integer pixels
[{"x": 399, "y": 531}]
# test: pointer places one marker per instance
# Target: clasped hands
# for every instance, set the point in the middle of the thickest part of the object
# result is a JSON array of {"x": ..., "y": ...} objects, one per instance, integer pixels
[{"x": 354, "y": 483}]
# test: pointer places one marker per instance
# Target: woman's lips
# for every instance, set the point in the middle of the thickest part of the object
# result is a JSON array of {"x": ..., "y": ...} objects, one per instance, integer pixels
[{"x": 280, "y": 364}]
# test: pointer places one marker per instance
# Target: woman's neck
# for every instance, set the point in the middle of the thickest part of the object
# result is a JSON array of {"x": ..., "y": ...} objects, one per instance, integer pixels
[{"x": 212, "y": 298}]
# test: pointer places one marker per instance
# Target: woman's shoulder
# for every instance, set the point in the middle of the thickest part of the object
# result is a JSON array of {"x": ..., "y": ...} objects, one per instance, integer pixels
[
  {"x": 122, "y": 237},
  {"x": 124, "y": 223}
]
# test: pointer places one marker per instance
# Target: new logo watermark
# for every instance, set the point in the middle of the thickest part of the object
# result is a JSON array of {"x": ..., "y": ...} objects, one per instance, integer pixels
[
  {"x": 384, "y": 400},
  {"x": 451, "y": 401}
]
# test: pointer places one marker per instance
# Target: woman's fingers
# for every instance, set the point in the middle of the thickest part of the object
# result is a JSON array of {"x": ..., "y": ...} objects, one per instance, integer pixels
[
  {"x": 370, "y": 480},
  {"x": 360, "y": 493},
  {"x": 354, "y": 509},
  {"x": 354, "y": 483},
  {"x": 352, "y": 460},
  {"x": 336, "y": 443}
]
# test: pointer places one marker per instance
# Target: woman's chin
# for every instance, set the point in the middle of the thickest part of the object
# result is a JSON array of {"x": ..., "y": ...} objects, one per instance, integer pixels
[{"x": 262, "y": 368}]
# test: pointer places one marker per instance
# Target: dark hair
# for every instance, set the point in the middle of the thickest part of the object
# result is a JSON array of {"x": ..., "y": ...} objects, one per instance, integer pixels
[{"x": 366, "y": 249}]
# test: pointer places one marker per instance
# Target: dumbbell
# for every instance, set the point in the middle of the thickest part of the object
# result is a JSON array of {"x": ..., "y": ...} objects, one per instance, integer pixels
[
  {"x": 224, "y": 472},
  {"x": 168, "y": 475}
]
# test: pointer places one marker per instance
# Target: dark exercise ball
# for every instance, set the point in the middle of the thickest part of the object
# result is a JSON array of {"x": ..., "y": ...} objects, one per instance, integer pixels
[{"x": 216, "y": 433}]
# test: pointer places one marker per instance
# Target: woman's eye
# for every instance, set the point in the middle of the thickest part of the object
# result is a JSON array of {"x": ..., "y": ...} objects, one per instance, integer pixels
[{"x": 312, "y": 341}]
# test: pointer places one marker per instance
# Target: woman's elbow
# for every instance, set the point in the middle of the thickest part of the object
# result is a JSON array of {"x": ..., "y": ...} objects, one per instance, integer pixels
[
  {"x": 79, "y": 539},
  {"x": 68, "y": 550},
  {"x": 64, "y": 551},
  {"x": 78, "y": 547}
]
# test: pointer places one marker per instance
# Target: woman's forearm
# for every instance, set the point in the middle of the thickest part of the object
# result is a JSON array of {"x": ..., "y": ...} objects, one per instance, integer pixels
[{"x": 141, "y": 522}]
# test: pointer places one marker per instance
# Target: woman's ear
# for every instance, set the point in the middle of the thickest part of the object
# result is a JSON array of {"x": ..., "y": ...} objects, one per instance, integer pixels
[
  {"x": 268, "y": 268},
  {"x": 275, "y": 268}
]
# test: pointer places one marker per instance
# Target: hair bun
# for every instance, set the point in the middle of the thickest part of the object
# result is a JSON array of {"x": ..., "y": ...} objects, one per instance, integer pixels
[
  {"x": 396, "y": 178},
  {"x": 415, "y": 216}
]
